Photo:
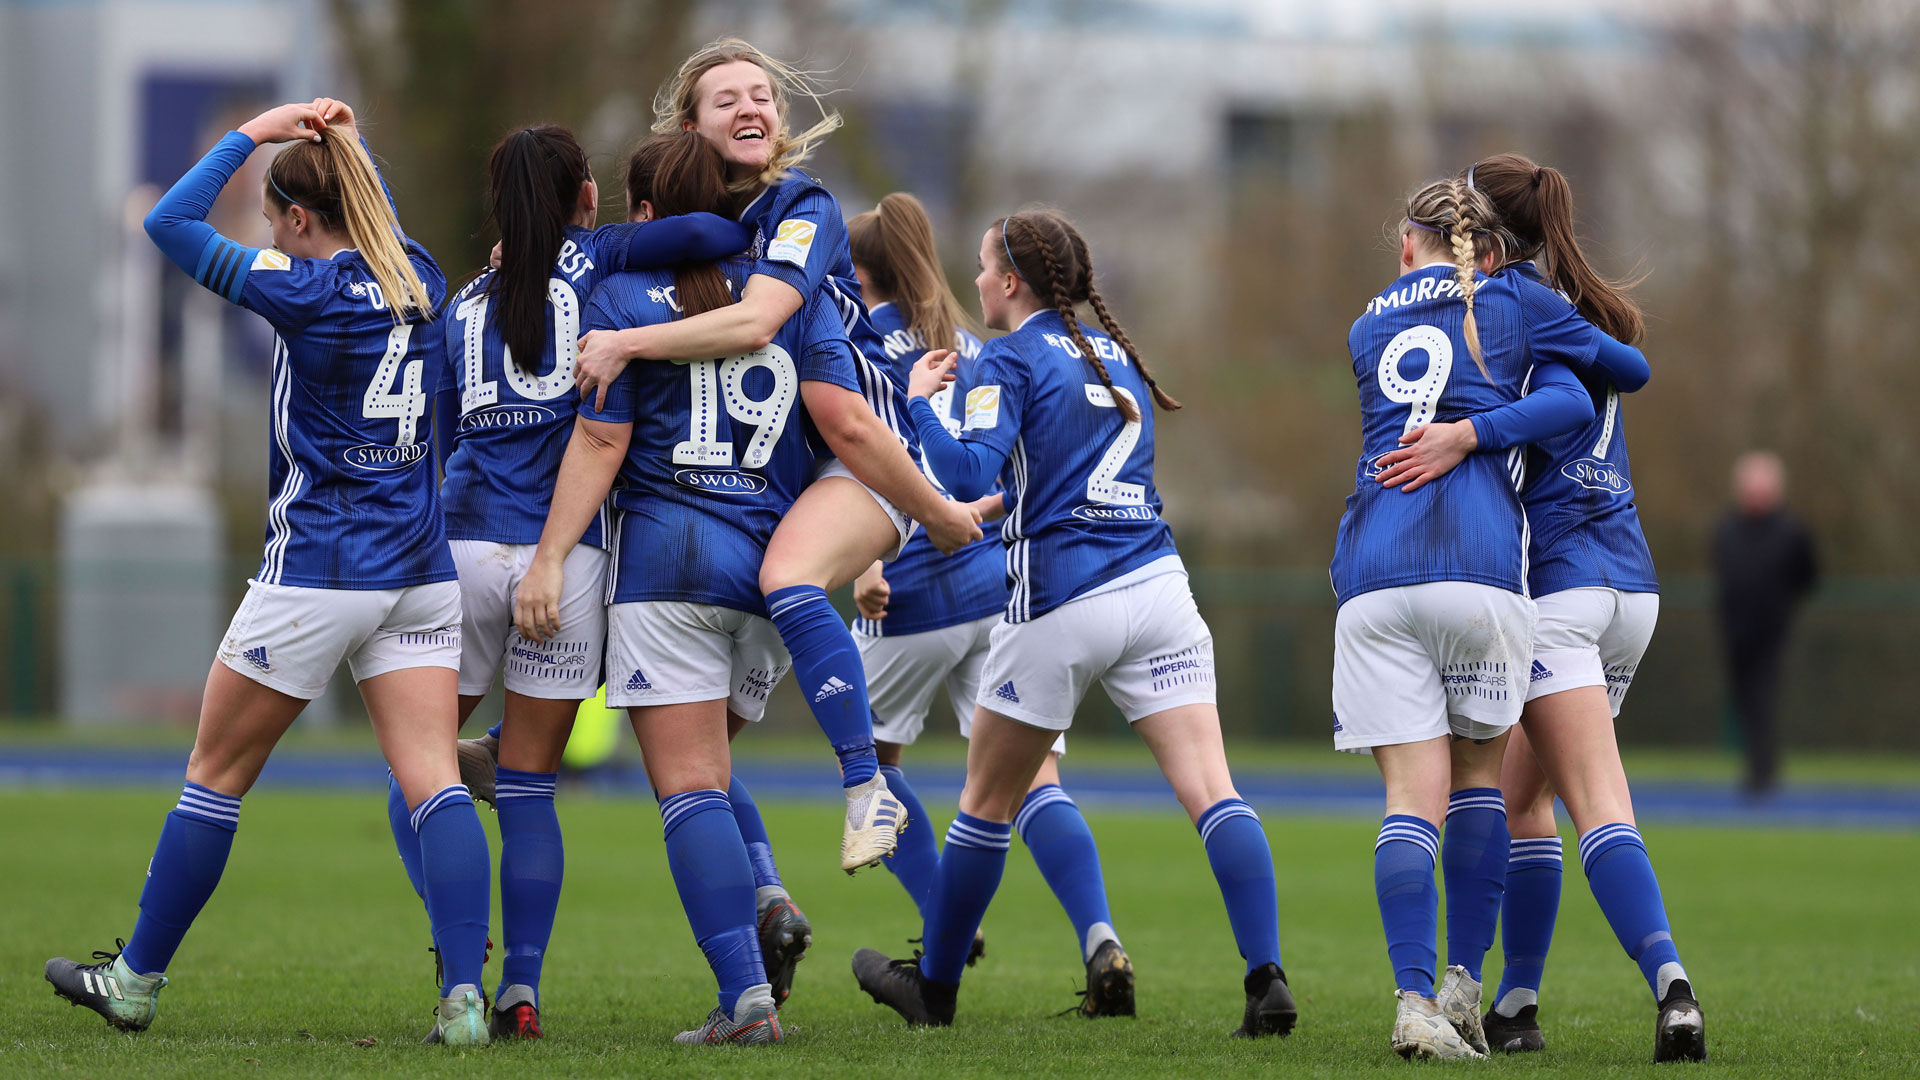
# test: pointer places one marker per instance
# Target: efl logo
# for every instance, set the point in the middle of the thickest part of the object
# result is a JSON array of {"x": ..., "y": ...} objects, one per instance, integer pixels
[
  {"x": 269, "y": 259},
  {"x": 792, "y": 241}
]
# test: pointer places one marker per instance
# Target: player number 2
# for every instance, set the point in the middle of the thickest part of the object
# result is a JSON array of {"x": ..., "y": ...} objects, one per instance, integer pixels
[
  {"x": 721, "y": 384},
  {"x": 1104, "y": 486},
  {"x": 409, "y": 404},
  {"x": 1422, "y": 393}
]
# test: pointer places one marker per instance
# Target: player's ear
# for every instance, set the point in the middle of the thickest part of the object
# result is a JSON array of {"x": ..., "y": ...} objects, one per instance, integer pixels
[
  {"x": 1406, "y": 247},
  {"x": 297, "y": 217}
]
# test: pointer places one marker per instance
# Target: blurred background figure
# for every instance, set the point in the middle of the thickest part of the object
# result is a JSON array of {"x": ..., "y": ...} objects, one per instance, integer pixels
[{"x": 1764, "y": 565}]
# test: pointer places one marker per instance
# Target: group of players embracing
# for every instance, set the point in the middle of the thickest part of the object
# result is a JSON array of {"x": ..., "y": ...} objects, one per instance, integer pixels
[{"x": 644, "y": 453}]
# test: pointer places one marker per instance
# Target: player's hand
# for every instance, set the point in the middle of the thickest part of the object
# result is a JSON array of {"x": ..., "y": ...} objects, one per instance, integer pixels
[
  {"x": 336, "y": 113},
  {"x": 871, "y": 592},
  {"x": 1426, "y": 454},
  {"x": 287, "y": 123},
  {"x": 603, "y": 356},
  {"x": 931, "y": 372},
  {"x": 953, "y": 526},
  {"x": 990, "y": 507},
  {"x": 536, "y": 603},
  {"x": 493, "y": 257}
]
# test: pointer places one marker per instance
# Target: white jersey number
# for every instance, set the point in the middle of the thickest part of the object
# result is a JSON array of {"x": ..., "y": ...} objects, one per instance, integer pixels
[
  {"x": 480, "y": 390},
  {"x": 409, "y": 404},
  {"x": 1104, "y": 486},
  {"x": 718, "y": 384},
  {"x": 1422, "y": 393},
  {"x": 1606, "y": 427}
]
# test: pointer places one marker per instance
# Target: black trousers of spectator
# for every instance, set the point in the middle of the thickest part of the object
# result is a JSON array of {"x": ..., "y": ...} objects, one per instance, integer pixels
[{"x": 1753, "y": 666}]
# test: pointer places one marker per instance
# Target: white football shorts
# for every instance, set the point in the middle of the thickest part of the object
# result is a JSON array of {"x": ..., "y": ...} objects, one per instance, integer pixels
[
  {"x": 1416, "y": 662},
  {"x": 567, "y": 669},
  {"x": 293, "y": 638},
  {"x": 902, "y": 524},
  {"x": 1591, "y": 637},
  {"x": 1145, "y": 643},
  {"x": 906, "y": 671},
  {"x": 666, "y": 652}
]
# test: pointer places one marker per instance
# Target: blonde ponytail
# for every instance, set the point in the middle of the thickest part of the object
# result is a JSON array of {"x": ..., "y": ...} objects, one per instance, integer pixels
[{"x": 371, "y": 225}]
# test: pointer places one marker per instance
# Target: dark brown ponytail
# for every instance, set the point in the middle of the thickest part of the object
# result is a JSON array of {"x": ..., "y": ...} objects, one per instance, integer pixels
[
  {"x": 683, "y": 173},
  {"x": 536, "y": 175}
]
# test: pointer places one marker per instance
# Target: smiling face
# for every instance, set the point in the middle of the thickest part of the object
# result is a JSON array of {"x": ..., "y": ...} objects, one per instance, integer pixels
[{"x": 734, "y": 109}]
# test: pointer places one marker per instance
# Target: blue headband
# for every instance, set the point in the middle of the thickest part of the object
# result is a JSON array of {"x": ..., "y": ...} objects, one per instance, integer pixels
[
  {"x": 1009, "y": 250},
  {"x": 291, "y": 201}
]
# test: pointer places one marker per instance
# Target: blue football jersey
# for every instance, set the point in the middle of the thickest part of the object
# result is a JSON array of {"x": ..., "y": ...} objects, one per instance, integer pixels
[
  {"x": 513, "y": 426},
  {"x": 719, "y": 448},
  {"x": 928, "y": 590},
  {"x": 1579, "y": 497},
  {"x": 801, "y": 239},
  {"x": 1412, "y": 367},
  {"x": 354, "y": 505},
  {"x": 1080, "y": 478}
]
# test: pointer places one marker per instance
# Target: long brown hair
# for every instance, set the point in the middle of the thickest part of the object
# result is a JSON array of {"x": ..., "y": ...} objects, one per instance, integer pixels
[
  {"x": 1535, "y": 204},
  {"x": 334, "y": 180},
  {"x": 676, "y": 103},
  {"x": 893, "y": 244},
  {"x": 1049, "y": 254},
  {"x": 535, "y": 178},
  {"x": 683, "y": 173},
  {"x": 1464, "y": 218}
]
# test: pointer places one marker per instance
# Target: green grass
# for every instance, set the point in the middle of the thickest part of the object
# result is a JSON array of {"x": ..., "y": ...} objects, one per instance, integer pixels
[{"x": 1802, "y": 944}]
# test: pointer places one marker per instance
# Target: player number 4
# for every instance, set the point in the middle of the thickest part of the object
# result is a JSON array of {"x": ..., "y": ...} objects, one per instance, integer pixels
[{"x": 407, "y": 405}]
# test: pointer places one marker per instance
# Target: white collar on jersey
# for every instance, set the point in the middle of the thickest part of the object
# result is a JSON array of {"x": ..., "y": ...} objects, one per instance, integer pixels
[
  {"x": 336, "y": 254},
  {"x": 1434, "y": 263},
  {"x": 1035, "y": 315},
  {"x": 875, "y": 308}
]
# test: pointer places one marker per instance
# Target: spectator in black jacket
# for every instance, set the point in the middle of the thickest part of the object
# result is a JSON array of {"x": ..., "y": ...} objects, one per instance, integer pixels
[{"x": 1764, "y": 565}]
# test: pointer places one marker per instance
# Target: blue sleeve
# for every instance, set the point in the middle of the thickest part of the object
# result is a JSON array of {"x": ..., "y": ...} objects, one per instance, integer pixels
[
  {"x": 827, "y": 355},
  {"x": 966, "y": 469},
  {"x": 1625, "y": 366},
  {"x": 178, "y": 222},
  {"x": 806, "y": 241},
  {"x": 1556, "y": 403},
  {"x": 995, "y": 401},
  {"x": 623, "y": 393},
  {"x": 655, "y": 245}
]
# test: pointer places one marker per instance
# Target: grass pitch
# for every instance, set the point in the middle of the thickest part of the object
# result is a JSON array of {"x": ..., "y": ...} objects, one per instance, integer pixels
[{"x": 311, "y": 959}]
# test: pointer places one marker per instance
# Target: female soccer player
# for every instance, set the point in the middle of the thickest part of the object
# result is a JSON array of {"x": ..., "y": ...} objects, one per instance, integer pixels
[
  {"x": 1435, "y": 627},
  {"x": 926, "y": 624},
  {"x": 863, "y": 505},
  {"x": 356, "y": 562},
  {"x": 1098, "y": 592},
  {"x": 709, "y": 455},
  {"x": 1593, "y": 579},
  {"x": 507, "y": 408}
]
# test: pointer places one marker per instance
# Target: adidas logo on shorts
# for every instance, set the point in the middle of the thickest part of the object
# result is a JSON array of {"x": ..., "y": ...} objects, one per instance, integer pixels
[
  {"x": 1007, "y": 692},
  {"x": 832, "y": 686},
  {"x": 1539, "y": 672},
  {"x": 257, "y": 656},
  {"x": 638, "y": 681}
]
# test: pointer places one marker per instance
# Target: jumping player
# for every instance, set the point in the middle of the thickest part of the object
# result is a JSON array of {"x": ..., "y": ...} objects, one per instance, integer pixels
[
  {"x": 356, "y": 564},
  {"x": 863, "y": 505},
  {"x": 1592, "y": 577},
  {"x": 1055, "y": 410},
  {"x": 925, "y": 624},
  {"x": 1435, "y": 626},
  {"x": 506, "y": 409},
  {"x": 708, "y": 455}
]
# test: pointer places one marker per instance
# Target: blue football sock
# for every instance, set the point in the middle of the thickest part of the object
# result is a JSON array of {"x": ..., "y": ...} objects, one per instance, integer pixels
[
  {"x": 827, "y": 665},
  {"x": 400, "y": 820},
  {"x": 1473, "y": 860},
  {"x": 753, "y": 832},
  {"x": 453, "y": 860},
  {"x": 1243, "y": 866},
  {"x": 969, "y": 874},
  {"x": 533, "y": 861},
  {"x": 1403, "y": 860},
  {"x": 1054, "y": 830},
  {"x": 1615, "y": 859},
  {"x": 916, "y": 858},
  {"x": 1526, "y": 921},
  {"x": 186, "y": 868},
  {"x": 710, "y": 868}
]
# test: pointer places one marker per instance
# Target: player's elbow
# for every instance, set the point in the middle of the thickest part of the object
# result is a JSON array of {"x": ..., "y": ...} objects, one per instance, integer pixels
[
  {"x": 156, "y": 222},
  {"x": 602, "y": 439}
]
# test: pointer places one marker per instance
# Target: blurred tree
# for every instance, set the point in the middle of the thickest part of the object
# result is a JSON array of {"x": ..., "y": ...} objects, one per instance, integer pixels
[{"x": 441, "y": 80}]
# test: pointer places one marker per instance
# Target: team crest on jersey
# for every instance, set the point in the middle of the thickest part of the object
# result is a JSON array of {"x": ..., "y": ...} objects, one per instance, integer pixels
[
  {"x": 1596, "y": 475},
  {"x": 792, "y": 241},
  {"x": 269, "y": 259},
  {"x": 663, "y": 294},
  {"x": 983, "y": 408}
]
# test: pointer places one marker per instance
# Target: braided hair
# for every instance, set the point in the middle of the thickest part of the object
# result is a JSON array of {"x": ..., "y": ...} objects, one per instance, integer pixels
[
  {"x": 1451, "y": 209},
  {"x": 1051, "y": 256}
]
